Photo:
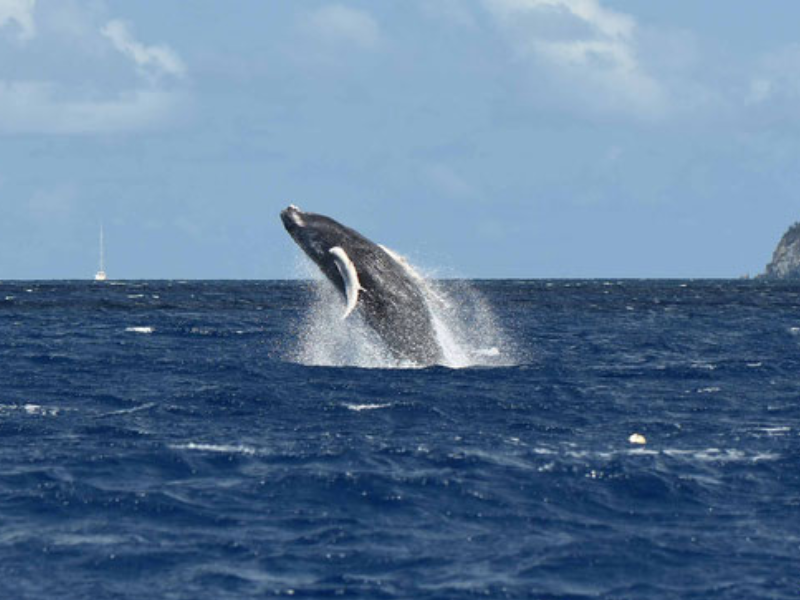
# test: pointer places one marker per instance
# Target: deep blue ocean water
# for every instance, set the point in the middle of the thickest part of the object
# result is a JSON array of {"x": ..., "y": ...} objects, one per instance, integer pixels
[{"x": 163, "y": 440}]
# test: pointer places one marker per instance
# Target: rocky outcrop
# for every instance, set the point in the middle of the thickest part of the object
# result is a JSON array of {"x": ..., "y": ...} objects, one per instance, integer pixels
[{"x": 785, "y": 262}]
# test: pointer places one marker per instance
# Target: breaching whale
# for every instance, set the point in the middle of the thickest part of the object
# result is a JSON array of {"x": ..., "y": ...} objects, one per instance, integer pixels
[{"x": 374, "y": 282}]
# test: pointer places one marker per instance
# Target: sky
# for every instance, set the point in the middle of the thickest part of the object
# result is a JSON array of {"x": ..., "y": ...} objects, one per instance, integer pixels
[{"x": 480, "y": 138}]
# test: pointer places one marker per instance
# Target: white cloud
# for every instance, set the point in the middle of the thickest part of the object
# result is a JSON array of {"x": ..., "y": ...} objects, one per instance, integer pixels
[
  {"x": 337, "y": 24},
  {"x": 65, "y": 80},
  {"x": 589, "y": 49},
  {"x": 20, "y": 13},
  {"x": 605, "y": 21},
  {"x": 153, "y": 61}
]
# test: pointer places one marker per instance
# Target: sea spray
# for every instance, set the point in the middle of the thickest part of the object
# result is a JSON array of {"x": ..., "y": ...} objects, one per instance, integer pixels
[
  {"x": 465, "y": 327},
  {"x": 325, "y": 338}
]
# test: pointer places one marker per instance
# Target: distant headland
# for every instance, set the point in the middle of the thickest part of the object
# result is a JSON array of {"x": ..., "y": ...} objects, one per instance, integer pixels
[{"x": 785, "y": 263}]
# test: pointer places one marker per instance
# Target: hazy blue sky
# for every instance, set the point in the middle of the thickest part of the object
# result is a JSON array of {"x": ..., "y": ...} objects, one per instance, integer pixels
[{"x": 482, "y": 138}]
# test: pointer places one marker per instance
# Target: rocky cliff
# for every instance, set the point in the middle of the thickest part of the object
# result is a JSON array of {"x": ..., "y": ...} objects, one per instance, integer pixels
[{"x": 785, "y": 262}]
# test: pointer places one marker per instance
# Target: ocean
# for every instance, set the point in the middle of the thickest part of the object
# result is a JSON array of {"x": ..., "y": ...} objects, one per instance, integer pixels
[{"x": 228, "y": 439}]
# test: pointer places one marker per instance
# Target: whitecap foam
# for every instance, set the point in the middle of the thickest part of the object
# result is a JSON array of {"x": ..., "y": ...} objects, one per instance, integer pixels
[
  {"x": 773, "y": 431},
  {"x": 77, "y": 539},
  {"x": 220, "y": 448},
  {"x": 31, "y": 409},
  {"x": 139, "y": 329},
  {"x": 127, "y": 411},
  {"x": 720, "y": 455},
  {"x": 360, "y": 407},
  {"x": 704, "y": 366}
]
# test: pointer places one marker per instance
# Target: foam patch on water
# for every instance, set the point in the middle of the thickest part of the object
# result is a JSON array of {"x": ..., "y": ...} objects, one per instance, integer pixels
[
  {"x": 711, "y": 455},
  {"x": 31, "y": 409},
  {"x": 218, "y": 448},
  {"x": 465, "y": 327},
  {"x": 128, "y": 411},
  {"x": 773, "y": 431},
  {"x": 724, "y": 455},
  {"x": 360, "y": 407},
  {"x": 708, "y": 390},
  {"x": 139, "y": 329}
]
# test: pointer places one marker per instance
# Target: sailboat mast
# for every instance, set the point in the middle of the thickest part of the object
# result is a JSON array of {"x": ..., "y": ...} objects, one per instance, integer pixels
[
  {"x": 101, "y": 274},
  {"x": 102, "y": 257}
]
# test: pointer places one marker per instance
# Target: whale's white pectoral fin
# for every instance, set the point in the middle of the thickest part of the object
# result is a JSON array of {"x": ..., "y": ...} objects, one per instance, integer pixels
[{"x": 352, "y": 286}]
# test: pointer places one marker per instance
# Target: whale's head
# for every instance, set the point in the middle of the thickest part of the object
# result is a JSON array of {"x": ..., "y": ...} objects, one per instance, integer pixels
[
  {"x": 327, "y": 242},
  {"x": 292, "y": 218},
  {"x": 318, "y": 236},
  {"x": 313, "y": 233}
]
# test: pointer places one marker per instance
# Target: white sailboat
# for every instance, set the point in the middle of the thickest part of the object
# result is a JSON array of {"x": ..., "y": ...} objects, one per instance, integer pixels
[{"x": 101, "y": 274}]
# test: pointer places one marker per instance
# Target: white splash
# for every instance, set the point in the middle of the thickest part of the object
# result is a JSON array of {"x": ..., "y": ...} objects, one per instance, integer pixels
[{"x": 465, "y": 327}]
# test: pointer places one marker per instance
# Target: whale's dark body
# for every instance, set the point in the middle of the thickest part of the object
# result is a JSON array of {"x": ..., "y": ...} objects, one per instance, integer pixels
[{"x": 374, "y": 283}]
